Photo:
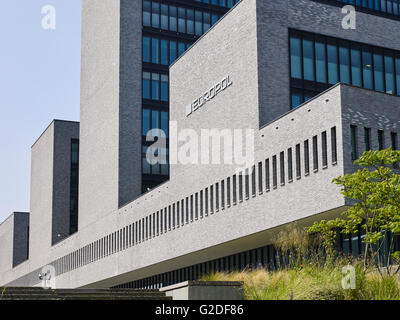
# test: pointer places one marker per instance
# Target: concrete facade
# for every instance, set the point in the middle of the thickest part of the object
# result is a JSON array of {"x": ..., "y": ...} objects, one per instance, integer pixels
[
  {"x": 50, "y": 187},
  {"x": 110, "y": 149},
  {"x": 191, "y": 219},
  {"x": 14, "y": 237}
]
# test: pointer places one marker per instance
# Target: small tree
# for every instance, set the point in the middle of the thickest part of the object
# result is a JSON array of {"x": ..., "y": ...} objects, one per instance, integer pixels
[{"x": 374, "y": 192}]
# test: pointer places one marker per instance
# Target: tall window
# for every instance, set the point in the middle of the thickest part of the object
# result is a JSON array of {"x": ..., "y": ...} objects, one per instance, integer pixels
[
  {"x": 282, "y": 167},
  {"x": 393, "y": 138},
  {"x": 315, "y": 153},
  {"x": 353, "y": 137},
  {"x": 274, "y": 172},
  {"x": 74, "y": 186},
  {"x": 324, "y": 150},
  {"x": 298, "y": 162},
  {"x": 334, "y": 145},
  {"x": 290, "y": 165},
  {"x": 367, "y": 139},
  {"x": 381, "y": 139},
  {"x": 306, "y": 158}
]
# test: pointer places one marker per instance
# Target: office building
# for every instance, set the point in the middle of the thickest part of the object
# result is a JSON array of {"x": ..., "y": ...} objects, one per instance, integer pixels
[{"x": 314, "y": 95}]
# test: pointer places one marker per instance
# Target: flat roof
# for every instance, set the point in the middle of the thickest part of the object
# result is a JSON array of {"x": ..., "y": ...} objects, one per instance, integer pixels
[{"x": 54, "y": 120}]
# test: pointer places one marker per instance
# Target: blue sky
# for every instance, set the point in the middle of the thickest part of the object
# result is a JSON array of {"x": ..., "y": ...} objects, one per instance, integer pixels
[{"x": 39, "y": 82}]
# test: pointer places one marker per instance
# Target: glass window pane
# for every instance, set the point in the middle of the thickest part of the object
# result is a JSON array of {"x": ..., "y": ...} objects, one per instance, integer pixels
[
  {"x": 155, "y": 16},
  {"x": 146, "y": 49},
  {"x": 172, "y": 51},
  {"x": 356, "y": 67},
  {"x": 344, "y": 65},
  {"x": 367, "y": 69},
  {"x": 146, "y": 165},
  {"x": 190, "y": 21},
  {"x": 146, "y": 121},
  {"x": 296, "y": 99},
  {"x": 320, "y": 62},
  {"x": 164, "y": 122},
  {"x": 164, "y": 17},
  {"x": 181, "y": 48},
  {"x": 389, "y": 74},
  {"x": 155, "y": 53},
  {"x": 155, "y": 86},
  {"x": 295, "y": 58},
  {"x": 164, "y": 87},
  {"x": 146, "y": 85},
  {"x": 308, "y": 60},
  {"x": 378, "y": 72},
  {"x": 207, "y": 21},
  {"x": 146, "y": 13},
  {"x": 398, "y": 75},
  {"x": 199, "y": 23},
  {"x": 173, "y": 26},
  {"x": 155, "y": 121},
  {"x": 332, "y": 64},
  {"x": 164, "y": 52},
  {"x": 181, "y": 20}
]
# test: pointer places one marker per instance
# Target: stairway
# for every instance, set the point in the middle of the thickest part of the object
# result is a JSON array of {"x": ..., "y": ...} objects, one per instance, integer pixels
[{"x": 19, "y": 293}]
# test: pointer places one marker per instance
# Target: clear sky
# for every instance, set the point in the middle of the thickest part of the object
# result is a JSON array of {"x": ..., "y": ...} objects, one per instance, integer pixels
[{"x": 39, "y": 82}]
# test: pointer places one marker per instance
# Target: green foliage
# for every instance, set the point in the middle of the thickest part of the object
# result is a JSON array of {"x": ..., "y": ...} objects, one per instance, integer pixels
[
  {"x": 374, "y": 194},
  {"x": 313, "y": 283}
]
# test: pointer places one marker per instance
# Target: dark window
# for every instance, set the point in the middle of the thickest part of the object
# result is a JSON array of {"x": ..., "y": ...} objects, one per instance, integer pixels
[
  {"x": 247, "y": 183},
  {"x": 306, "y": 158},
  {"x": 315, "y": 153},
  {"x": 223, "y": 194},
  {"x": 178, "y": 206},
  {"x": 217, "y": 197},
  {"x": 182, "y": 212},
  {"x": 290, "y": 164},
  {"x": 173, "y": 216},
  {"x": 206, "y": 201},
  {"x": 298, "y": 162},
  {"x": 282, "y": 167},
  {"x": 274, "y": 172},
  {"x": 367, "y": 139},
  {"x": 240, "y": 186},
  {"x": 334, "y": 145},
  {"x": 196, "y": 206},
  {"x": 74, "y": 187},
  {"x": 191, "y": 208},
  {"x": 267, "y": 175},
  {"x": 253, "y": 181},
  {"x": 228, "y": 191},
  {"x": 169, "y": 218},
  {"x": 211, "y": 199},
  {"x": 381, "y": 139},
  {"x": 393, "y": 137},
  {"x": 353, "y": 136},
  {"x": 260, "y": 178},
  {"x": 201, "y": 204},
  {"x": 187, "y": 210},
  {"x": 324, "y": 150},
  {"x": 234, "y": 190}
]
